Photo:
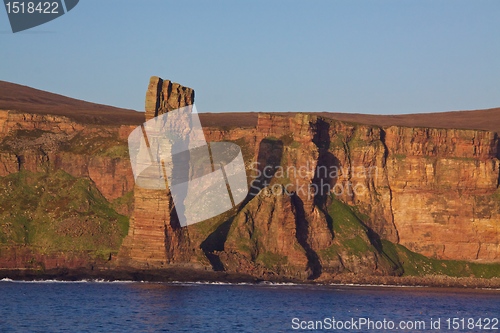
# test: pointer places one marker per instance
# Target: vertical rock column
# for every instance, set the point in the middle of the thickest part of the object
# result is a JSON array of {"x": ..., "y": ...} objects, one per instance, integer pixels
[
  {"x": 155, "y": 237},
  {"x": 164, "y": 96}
]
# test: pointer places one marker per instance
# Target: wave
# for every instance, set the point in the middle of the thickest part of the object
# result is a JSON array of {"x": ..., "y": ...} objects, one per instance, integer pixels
[
  {"x": 372, "y": 285},
  {"x": 260, "y": 284},
  {"x": 220, "y": 283},
  {"x": 212, "y": 283}
]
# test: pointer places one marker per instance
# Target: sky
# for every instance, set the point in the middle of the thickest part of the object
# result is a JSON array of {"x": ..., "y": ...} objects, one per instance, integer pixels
[{"x": 377, "y": 57}]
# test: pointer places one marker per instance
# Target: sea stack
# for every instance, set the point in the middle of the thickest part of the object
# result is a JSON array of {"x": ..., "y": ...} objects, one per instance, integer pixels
[{"x": 155, "y": 237}]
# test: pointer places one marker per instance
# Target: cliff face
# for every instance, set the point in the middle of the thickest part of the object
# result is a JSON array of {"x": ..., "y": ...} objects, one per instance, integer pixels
[
  {"x": 444, "y": 185},
  {"x": 325, "y": 193},
  {"x": 155, "y": 237},
  {"x": 326, "y": 197},
  {"x": 65, "y": 191},
  {"x": 432, "y": 190},
  {"x": 38, "y": 143}
]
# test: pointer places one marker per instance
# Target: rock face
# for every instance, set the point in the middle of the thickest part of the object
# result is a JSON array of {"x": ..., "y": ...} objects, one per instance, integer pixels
[
  {"x": 38, "y": 143},
  {"x": 326, "y": 196},
  {"x": 444, "y": 185},
  {"x": 324, "y": 192},
  {"x": 18, "y": 256},
  {"x": 154, "y": 240},
  {"x": 164, "y": 95},
  {"x": 264, "y": 234},
  {"x": 155, "y": 237}
]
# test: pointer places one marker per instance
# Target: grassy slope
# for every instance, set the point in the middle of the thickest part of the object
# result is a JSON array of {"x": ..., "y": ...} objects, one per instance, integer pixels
[
  {"x": 56, "y": 212},
  {"x": 348, "y": 225}
]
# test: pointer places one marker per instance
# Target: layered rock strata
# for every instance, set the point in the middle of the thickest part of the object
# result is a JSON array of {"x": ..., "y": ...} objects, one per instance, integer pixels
[
  {"x": 155, "y": 237},
  {"x": 164, "y": 95},
  {"x": 325, "y": 195},
  {"x": 433, "y": 191}
]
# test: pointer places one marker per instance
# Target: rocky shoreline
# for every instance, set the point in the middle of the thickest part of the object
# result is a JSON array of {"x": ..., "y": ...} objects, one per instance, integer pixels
[{"x": 194, "y": 275}]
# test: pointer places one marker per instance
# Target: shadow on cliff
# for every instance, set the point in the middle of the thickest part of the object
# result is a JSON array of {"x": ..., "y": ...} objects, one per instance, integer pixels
[
  {"x": 322, "y": 183},
  {"x": 177, "y": 239},
  {"x": 302, "y": 234},
  {"x": 326, "y": 173},
  {"x": 386, "y": 156},
  {"x": 268, "y": 161},
  {"x": 325, "y": 180}
]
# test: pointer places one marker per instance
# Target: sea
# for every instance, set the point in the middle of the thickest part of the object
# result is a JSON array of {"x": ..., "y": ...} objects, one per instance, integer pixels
[{"x": 101, "y": 306}]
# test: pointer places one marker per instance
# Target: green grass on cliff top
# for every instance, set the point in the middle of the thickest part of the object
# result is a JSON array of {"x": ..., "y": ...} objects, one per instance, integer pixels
[
  {"x": 53, "y": 212},
  {"x": 95, "y": 144},
  {"x": 99, "y": 145}
]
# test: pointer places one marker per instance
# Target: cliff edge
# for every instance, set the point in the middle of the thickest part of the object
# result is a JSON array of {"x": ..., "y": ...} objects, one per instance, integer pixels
[{"x": 328, "y": 197}]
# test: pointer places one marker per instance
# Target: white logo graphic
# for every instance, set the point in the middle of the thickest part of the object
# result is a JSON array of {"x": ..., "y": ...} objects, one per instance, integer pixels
[
  {"x": 170, "y": 152},
  {"x": 26, "y": 14}
]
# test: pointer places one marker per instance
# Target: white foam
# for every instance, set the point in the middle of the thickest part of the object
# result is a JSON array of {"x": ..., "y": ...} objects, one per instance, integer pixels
[
  {"x": 372, "y": 285},
  {"x": 211, "y": 283}
]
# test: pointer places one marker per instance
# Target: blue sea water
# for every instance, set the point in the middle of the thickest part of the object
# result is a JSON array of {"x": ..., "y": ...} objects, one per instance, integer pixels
[{"x": 195, "y": 307}]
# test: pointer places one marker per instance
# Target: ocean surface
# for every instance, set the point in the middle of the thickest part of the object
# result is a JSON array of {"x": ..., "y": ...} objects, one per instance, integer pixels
[{"x": 53, "y": 306}]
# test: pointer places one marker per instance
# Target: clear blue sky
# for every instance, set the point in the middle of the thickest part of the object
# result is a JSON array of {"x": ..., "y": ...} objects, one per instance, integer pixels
[{"x": 382, "y": 57}]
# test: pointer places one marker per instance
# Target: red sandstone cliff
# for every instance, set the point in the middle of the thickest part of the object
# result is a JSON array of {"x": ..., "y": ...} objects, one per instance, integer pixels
[
  {"x": 430, "y": 190},
  {"x": 433, "y": 191}
]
